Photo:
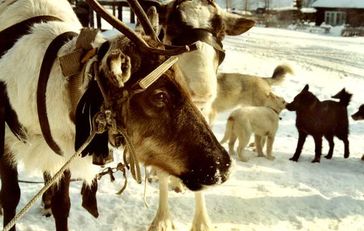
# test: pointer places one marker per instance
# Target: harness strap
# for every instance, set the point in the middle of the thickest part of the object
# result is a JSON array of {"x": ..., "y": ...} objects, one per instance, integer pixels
[
  {"x": 48, "y": 60},
  {"x": 10, "y": 35},
  {"x": 203, "y": 35}
]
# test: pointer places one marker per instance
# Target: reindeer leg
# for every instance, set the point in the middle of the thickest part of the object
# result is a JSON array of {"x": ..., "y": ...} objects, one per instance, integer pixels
[
  {"x": 61, "y": 202},
  {"x": 162, "y": 220},
  {"x": 201, "y": 220},
  {"x": 89, "y": 201},
  {"x": 10, "y": 191},
  {"x": 47, "y": 197}
]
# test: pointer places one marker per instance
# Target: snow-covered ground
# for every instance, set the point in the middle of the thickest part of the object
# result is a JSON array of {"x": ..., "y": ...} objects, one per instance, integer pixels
[{"x": 261, "y": 194}]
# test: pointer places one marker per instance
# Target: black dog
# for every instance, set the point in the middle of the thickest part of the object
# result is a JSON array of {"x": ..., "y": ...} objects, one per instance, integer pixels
[
  {"x": 327, "y": 118},
  {"x": 359, "y": 115}
]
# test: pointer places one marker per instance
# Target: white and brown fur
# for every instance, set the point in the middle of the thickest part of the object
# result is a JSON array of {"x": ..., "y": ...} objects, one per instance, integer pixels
[
  {"x": 166, "y": 105},
  {"x": 260, "y": 120},
  {"x": 199, "y": 68},
  {"x": 235, "y": 89}
]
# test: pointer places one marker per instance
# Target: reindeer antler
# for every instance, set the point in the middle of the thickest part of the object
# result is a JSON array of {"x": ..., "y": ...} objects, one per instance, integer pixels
[{"x": 123, "y": 28}]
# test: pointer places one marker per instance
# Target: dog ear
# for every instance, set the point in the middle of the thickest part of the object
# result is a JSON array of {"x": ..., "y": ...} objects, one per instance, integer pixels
[{"x": 306, "y": 88}]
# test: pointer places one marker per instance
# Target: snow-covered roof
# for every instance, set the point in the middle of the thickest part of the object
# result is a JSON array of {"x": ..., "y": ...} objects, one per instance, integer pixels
[
  {"x": 339, "y": 3},
  {"x": 308, "y": 10}
]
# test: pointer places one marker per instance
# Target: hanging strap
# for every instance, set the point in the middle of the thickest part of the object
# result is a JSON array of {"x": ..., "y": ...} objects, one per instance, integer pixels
[{"x": 48, "y": 60}]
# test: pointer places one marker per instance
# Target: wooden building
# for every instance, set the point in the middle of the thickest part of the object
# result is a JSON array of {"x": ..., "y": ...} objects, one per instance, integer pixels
[{"x": 340, "y": 12}]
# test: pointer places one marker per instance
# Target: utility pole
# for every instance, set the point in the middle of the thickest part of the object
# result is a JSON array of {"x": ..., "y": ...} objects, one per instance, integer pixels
[
  {"x": 228, "y": 4},
  {"x": 267, "y": 3}
]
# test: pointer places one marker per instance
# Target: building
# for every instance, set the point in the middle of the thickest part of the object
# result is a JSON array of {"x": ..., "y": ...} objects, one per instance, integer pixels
[{"x": 340, "y": 12}]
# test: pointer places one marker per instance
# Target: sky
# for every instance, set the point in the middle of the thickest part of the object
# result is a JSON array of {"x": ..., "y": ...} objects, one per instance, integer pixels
[{"x": 261, "y": 194}]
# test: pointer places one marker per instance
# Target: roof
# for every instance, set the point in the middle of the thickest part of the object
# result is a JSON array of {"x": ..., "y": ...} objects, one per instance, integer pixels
[{"x": 339, "y": 4}]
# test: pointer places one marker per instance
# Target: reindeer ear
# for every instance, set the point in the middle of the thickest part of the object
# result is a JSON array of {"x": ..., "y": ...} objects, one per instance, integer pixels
[
  {"x": 306, "y": 88},
  {"x": 116, "y": 67},
  {"x": 153, "y": 19},
  {"x": 236, "y": 24}
]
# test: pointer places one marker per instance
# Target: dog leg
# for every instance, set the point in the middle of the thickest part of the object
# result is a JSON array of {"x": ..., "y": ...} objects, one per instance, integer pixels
[
  {"x": 330, "y": 139},
  {"x": 232, "y": 141},
  {"x": 258, "y": 145},
  {"x": 301, "y": 140},
  {"x": 270, "y": 140},
  {"x": 243, "y": 141},
  {"x": 318, "y": 148},
  {"x": 346, "y": 147}
]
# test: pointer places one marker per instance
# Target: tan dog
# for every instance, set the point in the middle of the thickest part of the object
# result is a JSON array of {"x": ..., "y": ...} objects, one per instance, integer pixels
[
  {"x": 234, "y": 89},
  {"x": 260, "y": 120}
]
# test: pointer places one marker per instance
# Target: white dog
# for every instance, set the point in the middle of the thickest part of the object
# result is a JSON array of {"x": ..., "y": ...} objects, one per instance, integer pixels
[
  {"x": 235, "y": 89},
  {"x": 260, "y": 120}
]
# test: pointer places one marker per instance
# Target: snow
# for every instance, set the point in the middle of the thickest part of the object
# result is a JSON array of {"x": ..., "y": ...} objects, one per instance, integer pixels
[
  {"x": 261, "y": 194},
  {"x": 339, "y": 3},
  {"x": 253, "y": 5}
]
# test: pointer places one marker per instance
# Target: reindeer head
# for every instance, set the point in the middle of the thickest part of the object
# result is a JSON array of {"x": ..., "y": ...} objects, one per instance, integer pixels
[
  {"x": 203, "y": 22},
  {"x": 162, "y": 123}
]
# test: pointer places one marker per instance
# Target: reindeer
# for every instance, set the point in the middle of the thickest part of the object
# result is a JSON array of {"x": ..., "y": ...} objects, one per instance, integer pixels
[
  {"x": 110, "y": 79},
  {"x": 204, "y": 22}
]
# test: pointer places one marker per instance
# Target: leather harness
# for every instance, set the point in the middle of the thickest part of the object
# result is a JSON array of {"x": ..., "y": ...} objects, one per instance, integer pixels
[
  {"x": 48, "y": 60},
  {"x": 10, "y": 35},
  {"x": 197, "y": 34}
]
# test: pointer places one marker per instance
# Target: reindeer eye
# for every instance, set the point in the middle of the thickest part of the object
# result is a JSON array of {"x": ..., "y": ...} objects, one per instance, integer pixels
[{"x": 160, "y": 98}]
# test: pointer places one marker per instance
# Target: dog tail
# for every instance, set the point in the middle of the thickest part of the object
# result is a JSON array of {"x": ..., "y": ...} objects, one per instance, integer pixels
[
  {"x": 343, "y": 96},
  {"x": 228, "y": 130},
  {"x": 279, "y": 74}
]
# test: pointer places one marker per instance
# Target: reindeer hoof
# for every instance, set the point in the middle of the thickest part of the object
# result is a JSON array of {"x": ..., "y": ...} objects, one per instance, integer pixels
[
  {"x": 91, "y": 207},
  {"x": 162, "y": 225},
  {"x": 202, "y": 227},
  {"x": 315, "y": 161}
]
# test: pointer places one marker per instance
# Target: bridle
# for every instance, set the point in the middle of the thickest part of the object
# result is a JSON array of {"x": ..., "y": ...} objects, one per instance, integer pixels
[{"x": 106, "y": 119}]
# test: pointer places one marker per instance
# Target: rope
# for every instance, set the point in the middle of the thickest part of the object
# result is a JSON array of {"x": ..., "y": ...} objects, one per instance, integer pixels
[
  {"x": 55, "y": 178},
  {"x": 42, "y": 182},
  {"x": 134, "y": 164}
]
